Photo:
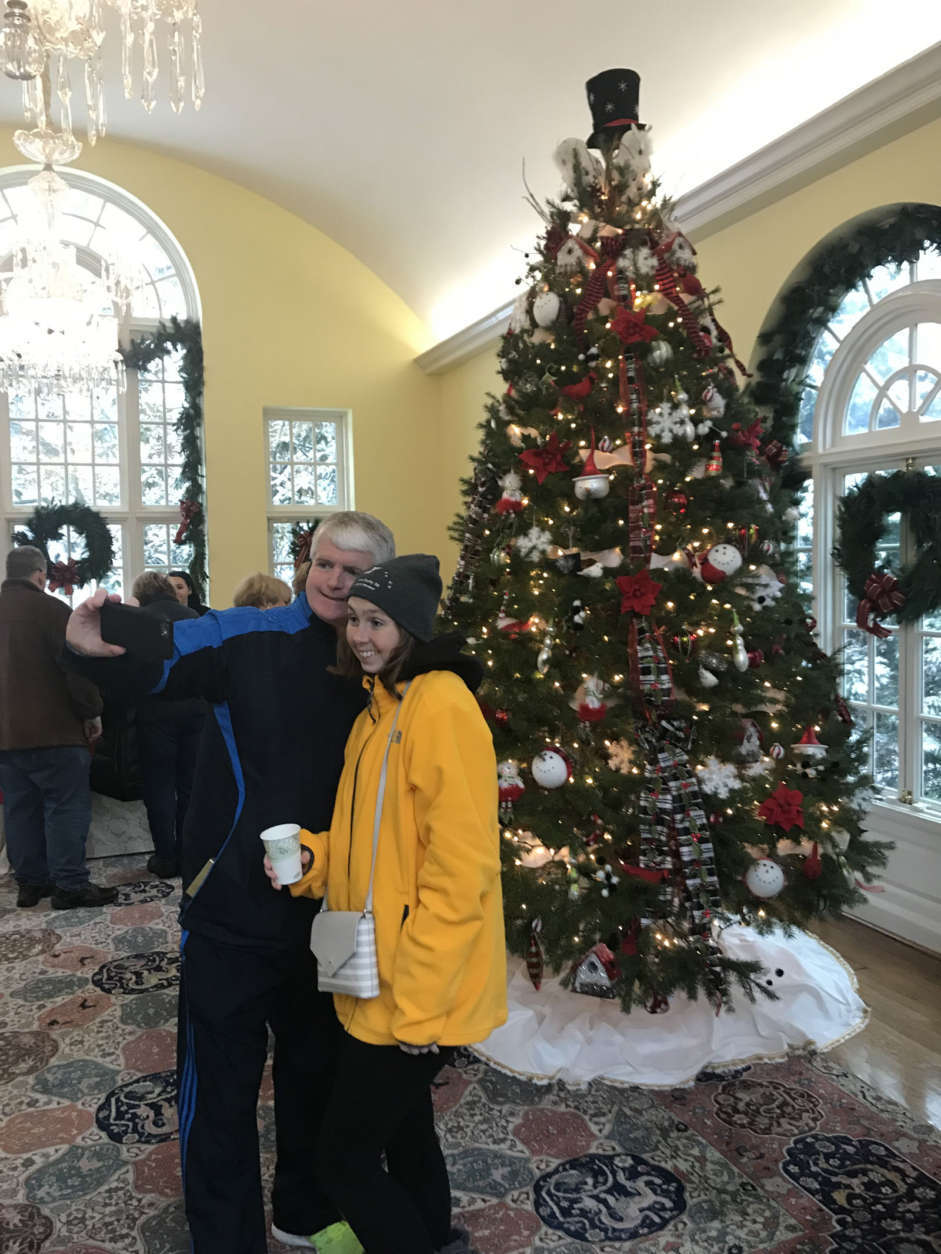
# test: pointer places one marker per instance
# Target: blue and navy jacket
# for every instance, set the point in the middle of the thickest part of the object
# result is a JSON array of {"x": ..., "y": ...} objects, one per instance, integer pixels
[{"x": 272, "y": 753}]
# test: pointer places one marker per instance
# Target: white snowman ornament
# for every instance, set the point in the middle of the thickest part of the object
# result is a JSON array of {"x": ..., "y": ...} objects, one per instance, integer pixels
[
  {"x": 721, "y": 561},
  {"x": 551, "y": 768},
  {"x": 764, "y": 878}
]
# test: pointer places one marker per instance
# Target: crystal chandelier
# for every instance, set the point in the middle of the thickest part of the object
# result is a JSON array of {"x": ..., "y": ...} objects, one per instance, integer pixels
[
  {"x": 38, "y": 33},
  {"x": 58, "y": 319}
]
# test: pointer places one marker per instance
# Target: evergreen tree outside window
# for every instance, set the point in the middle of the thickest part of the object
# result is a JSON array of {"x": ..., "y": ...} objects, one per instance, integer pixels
[
  {"x": 872, "y": 404},
  {"x": 117, "y": 453}
]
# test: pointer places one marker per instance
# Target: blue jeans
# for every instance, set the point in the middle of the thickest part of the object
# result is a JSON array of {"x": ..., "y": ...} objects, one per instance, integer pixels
[{"x": 47, "y": 810}]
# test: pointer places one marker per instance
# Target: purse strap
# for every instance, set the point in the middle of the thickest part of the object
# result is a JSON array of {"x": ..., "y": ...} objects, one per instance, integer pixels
[{"x": 380, "y": 798}]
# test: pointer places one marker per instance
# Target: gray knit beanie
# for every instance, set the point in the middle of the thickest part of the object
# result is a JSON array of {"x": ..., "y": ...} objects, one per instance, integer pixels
[{"x": 408, "y": 589}]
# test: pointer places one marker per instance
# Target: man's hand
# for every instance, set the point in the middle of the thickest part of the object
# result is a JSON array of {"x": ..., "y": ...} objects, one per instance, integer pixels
[
  {"x": 92, "y": 730},
  {"x": 83, "y": 633},
  {"x": 306, "y": 859}
]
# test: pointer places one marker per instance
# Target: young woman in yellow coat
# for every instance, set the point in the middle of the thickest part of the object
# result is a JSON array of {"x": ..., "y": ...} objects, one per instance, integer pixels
[{"x": 437, "y": 907}]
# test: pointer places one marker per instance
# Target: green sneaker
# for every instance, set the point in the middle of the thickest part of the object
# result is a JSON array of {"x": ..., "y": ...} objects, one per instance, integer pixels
[{"x": 338, "y": 1238}]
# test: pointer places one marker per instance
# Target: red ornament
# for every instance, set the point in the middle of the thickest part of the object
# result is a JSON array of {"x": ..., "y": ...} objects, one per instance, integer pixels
[
  {"x": 678, "y": 501},
  {"x": 714, "y": 464},
  {"x": 502, "y": 718},
  {"x": 548, "y": 458},
  {"x": 774, "y": 453},
  {"x": 755, "y": 657},
  {"x": 633, "y": 328},
  {"x": 578, "y": 391},
  {"x": 591, "y": 713},
  {"x": 813, "y": 866},
  {"x": 508, "y": 505},
  {"x": 638, "y": 592},
  {"x": 783, "y": 808}
]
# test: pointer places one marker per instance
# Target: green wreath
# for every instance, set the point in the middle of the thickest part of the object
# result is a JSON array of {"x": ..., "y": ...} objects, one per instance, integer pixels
[
  {"x": 862, "y": 516},
  {"x": 45, "y": 524}
]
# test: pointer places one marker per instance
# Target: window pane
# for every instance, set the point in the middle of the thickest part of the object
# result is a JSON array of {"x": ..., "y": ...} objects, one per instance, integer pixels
[
  {"x": 153, "y": 485},
  {"x": 51, "y": 442},
  {"x": 891, "y": 355},
  {"x": 326, "y": 442},
  {"x": 886, "y": 745},
  {"x": 327, "y": 493},
  {"x": 303, "y": 433},
  {"x": 81, "y": 481},
  {"x": 106, "y": 442},
  {"x": 279, "y": 441},
  {"x": 304, "y": 484},
  {"x": 888, "y": 417},
  {"x": 856, "y": 665},
  {"x": 23, "y": 441},
  {"x": 280, "y": 484},
  {"x": 886, "y": 670},
  {"x": 854, "y": 305},
  {"x": 928, "y": 343},
  {"x": 885, "y": 279},
  {"x": 856, "y": 420},
  {"x": 931, "y": 676},
  {"x": 107, "y": 486},
  {"x": 805, "y": 421},
  {"x": 78, "y": 441},
  {"x": 931, "y": 761},
  {"x": 25, "y": 484},
  {"x": 152, "y": 446},
  {"x": 925, "y": 383}
]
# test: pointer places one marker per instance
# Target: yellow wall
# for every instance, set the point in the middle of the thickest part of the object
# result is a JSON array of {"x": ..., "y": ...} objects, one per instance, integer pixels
[
  {"x": 751, "y": 261},
  {"x": 289, "y": 318}
]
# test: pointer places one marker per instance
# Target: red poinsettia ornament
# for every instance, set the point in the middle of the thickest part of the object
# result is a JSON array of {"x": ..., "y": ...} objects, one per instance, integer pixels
[
  {"x": 638, "y": 592},
  {"x": 784, "y": 808},
  {"x": 548, "y": 458},
  {"x": 633, "y": 328}
]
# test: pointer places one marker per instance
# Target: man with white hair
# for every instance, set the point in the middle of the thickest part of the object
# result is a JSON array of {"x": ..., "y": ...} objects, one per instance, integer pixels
[
  {"x": 272, "y": 754},
  {"x": 47, "y": 720}
]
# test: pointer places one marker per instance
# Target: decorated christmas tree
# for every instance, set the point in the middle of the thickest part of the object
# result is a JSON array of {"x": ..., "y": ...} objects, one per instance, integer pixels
[{"x": 674, "y": 752}]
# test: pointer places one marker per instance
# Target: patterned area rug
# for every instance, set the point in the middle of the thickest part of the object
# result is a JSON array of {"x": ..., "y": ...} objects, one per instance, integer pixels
[{"x": 766, "y": 1159}]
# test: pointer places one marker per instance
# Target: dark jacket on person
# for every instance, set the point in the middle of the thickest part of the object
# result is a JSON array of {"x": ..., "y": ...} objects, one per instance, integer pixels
[
  {"x": 41, "y": 705},
  {"x": 159, "y": 709},
  {"x": 271, "y": 753}
]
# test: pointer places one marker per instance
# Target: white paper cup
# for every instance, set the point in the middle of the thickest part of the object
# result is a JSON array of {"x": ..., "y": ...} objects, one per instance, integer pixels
[{"x": 283, "y": 847}]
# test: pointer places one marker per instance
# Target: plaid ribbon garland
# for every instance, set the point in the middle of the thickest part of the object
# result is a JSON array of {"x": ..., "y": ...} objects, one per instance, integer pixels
[
  {"x": 650, "y": 667},
  {"x": 604, "y": 260}
]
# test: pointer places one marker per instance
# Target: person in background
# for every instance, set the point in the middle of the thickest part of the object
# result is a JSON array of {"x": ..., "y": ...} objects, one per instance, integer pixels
[
  {"x": 168, "y": 736},
  {"x": 421, "y": 755},
  {"x": 300, "y": 578},
  {"x": 272, "y": 753},
  {"x": 261, "y": 591},
  {"x": 48, "y": 719},
  {"x": 185, "y": 592}
]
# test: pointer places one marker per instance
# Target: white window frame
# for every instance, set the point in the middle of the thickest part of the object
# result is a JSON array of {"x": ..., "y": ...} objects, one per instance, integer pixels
[
  {"x": 830, "y": 456},
  {"x": 295, "y": 512},
  {"x": 132, "y": 516}
]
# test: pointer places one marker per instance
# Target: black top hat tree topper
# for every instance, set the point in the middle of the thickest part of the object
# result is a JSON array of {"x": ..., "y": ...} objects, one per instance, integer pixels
[{"x": 613, "y": 97}]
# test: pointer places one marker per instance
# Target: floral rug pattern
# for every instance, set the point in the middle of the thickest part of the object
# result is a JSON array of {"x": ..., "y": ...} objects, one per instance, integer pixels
[{"x": 789, "y": 1158}]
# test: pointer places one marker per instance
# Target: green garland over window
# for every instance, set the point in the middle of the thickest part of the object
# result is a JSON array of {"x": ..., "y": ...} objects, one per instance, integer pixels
[
  {"x": 184, "y": 336},
  {"x": 897, "y": 236}
]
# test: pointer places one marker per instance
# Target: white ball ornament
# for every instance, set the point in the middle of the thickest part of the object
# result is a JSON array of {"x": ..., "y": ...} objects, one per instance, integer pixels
[
  {"x": 659, "y": 352},
  {"x": 764, "y": 878},
  {"x": 546, "y": 306},
  {"x": 550, "y": 769},
  {"x": 721, "y": 561}
]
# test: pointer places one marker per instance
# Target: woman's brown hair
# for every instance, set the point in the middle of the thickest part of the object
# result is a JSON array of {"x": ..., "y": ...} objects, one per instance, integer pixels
[{"x": 347, "y": 663}]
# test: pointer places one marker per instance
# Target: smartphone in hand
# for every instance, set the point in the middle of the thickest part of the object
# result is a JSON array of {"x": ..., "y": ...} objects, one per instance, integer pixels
[{"x": 145, "y": 637}]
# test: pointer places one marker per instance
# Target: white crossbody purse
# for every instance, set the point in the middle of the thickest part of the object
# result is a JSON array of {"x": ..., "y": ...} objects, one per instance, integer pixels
[{"x": 344, "y": 941}]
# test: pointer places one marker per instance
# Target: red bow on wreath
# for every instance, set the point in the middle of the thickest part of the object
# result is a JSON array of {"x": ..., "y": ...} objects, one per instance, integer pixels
[
  {"x": 304, "y": 541},
  {"x": 881, "y": 596},
  {"x": 188, "y": 511},
  {"x": 548, "y": 458},
  {"x": 64, "y": 575},
  {"x": 638, "y": 592}
]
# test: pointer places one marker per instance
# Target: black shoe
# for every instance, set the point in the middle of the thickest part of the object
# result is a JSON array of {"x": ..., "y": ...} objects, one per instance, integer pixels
[
  {"x": 163, "y": 868},
  {"x": 31, "y": 894},
  {"x": 89, "y": 895}
]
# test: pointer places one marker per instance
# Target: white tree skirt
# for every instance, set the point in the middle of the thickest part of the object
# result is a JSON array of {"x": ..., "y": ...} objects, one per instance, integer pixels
[{"x": 554, "y": 1034}]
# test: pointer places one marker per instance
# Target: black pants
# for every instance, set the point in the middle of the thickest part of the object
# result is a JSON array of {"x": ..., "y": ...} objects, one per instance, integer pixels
[
  {"x": 381, "y": 1101},
  {"x": 229, "y": 995},
  {"x": 168, "y": 749}
]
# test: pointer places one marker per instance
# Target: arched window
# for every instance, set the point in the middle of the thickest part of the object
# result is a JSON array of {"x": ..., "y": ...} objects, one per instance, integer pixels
[
  {"x": 117, "y": 453},
  {"x": 872, "y": 404}
]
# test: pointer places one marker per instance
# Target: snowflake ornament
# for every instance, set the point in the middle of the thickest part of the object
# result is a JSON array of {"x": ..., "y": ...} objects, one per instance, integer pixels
[
  {"x": 620, "y": 756},
  {"x": 645, "y": 263},
  {"x": 717, "y": 778},
  {"x": 668, "y": 422},
  {"x": 534, "y": 545}
]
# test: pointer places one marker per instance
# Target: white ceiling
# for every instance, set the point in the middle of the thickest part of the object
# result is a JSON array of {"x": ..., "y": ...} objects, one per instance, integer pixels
[{"x": 400, "y": 129}]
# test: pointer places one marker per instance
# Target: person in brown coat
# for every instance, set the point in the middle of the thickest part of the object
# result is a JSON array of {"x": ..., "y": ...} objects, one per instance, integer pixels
[{"x": 48, "y": 718}]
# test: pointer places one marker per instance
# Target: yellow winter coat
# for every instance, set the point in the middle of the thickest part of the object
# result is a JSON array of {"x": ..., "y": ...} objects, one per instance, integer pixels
[{"x": 436, "y": 897}]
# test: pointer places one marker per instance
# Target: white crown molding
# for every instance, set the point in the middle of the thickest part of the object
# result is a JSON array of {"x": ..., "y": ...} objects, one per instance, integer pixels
[{"x": 911, "y": 93}]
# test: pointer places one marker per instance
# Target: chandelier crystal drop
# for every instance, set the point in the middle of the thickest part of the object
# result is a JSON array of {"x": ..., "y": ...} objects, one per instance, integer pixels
[
  {"x": 58, "y": 318},
  {"x": 36, "y": 33}
]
